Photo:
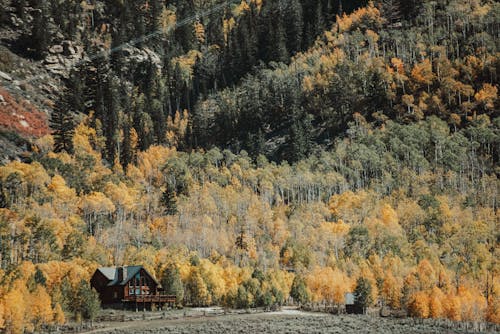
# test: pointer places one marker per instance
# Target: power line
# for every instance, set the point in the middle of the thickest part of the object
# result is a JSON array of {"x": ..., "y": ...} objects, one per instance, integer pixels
[{"x": 132, "y": 42}]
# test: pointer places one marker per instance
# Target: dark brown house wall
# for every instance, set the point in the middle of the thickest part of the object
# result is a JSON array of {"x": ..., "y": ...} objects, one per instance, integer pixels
[{"x": 118, "y": 294}]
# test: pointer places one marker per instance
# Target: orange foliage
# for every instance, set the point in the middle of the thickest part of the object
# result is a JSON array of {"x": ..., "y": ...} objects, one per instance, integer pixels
[
  {"x": 422, "y": 73},
  {"x": 328, "y": 284},
  {"x": 487, "y": 96},
  {"x": 436, "y": 297},
  {"x": 419, "y": 305},
  {"x": 22, "y": 117}
]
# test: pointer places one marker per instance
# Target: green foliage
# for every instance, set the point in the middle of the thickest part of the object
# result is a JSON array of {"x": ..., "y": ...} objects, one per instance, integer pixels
[
  {"x": 363, "y": 293},
  {"x": 169, "y": 201},
  {"x": 299, "y": 290},
  {"x": 196, "y": 290},
  {"x": 172, "y": 284},
  {"x": 41, "y": 33},
  {"x": 86, "y": 301},
  {"x": 61, "y": 121}
]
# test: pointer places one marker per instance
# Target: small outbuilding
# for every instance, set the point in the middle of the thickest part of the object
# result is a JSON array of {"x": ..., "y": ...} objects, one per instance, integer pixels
[
  {"x": 129, "y": 287},
  {"x": 350, "y": 305}
]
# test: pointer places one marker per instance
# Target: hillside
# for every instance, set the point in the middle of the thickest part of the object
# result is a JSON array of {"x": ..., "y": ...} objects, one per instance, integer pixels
[{"x": 345, "y": 149}]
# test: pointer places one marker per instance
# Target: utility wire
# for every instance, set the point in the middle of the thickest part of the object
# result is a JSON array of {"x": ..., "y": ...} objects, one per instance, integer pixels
[{"x": 132, "y": 42}]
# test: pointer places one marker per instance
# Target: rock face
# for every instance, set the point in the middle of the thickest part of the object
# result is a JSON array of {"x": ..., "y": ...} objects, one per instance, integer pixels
[
  {"x": 134, "y": 56},
  {"x": 5, "y": 76},
  {"x": 62, "y": 57}
]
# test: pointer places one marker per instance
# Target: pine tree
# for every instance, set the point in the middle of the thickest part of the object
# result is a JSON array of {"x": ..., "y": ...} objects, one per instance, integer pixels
[
  {"x": 273, "y": 43},
  {"x": 294, "y": 26},
  {"x": 169, "y": 201},
  {"x": 111, "y": 120},
  {"x": 157, "y": 8},
  {"x": 300, "y": 139},
  {"x": 62, "y": 124},
  {"x": 299, "y": 290},
  {"x": 84, "y": 302},
  {"x": 184, "y": 35},
  {"x": 172, "y": 283},
  {"x": 127, "y": 152},
  {"x": 40, "y": 277},
  {"x": 3, "y": 198},
  {"x": 41, "y": 33},
  {"x": 363, "y": 293}
]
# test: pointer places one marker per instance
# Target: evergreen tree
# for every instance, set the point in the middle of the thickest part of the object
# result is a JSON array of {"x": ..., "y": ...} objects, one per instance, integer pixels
[
  {"x": 273, "y": 43},
  {"x": 41, "y": 33},
  {"x": 184, "y": 34},
  {"x": 300, "y": 139},
  {"x": 172, "y": 283},
  {"x": 363, "y": 293},
  {"x": 169, "y": 201},
  {"x": 299, "y": 290},
  {"x": 85, "y": 301},
  {"x": 3, "y": 198},
  {"x": 62, "y": 124},
  {"x": 294, "y": 26},
  {"x": 40, "y": 277},
  {"x": 111, "y": 120},
  {"x": 127, "y": 151}
]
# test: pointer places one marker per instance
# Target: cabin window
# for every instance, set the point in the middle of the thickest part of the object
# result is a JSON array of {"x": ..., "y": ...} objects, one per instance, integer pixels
[
  {"x": 137, "y": 291},
  {"x": 131, "y": 291},
  {"x": 115, "y": 295}
]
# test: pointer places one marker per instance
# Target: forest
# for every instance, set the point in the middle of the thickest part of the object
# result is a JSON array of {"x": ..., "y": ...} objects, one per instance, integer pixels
[{"x": 262, "y": 152}]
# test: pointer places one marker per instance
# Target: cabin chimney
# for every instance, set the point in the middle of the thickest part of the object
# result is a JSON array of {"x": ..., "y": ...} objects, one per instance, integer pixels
[{"x": 122, "y": 273}]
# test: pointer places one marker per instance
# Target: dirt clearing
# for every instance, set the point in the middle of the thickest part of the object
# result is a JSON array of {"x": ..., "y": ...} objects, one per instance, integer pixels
[{"x": 288, "y": 321}]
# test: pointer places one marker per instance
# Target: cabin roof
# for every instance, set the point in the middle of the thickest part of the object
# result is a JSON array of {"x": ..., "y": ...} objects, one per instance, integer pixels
[
  {"x": 349, "y": 298},
  {"x": 111, "y": 273}
]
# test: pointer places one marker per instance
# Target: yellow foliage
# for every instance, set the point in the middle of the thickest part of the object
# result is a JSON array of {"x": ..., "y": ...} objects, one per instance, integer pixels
[
  {"x": 186, "y": 64},
  {"x": 487, "y": 95},
  {"x": 82, "y": 139},
  {"x": 16, "y": 317},
  {"x": 389, "y": 216},
  {"x": 121, "y": 195},
  {"x": 2, "y": 312},
  {"x": 327, "y": 284},
  {"x": 241, "y": 8},
  {"x": 422, "y": 72},
  {"x": 61, "y": 190},
  {"x": 346, "y": 204},
  {"x": 45, "y": 144},
  {"x": 358, "y": 18},
  {"x": 59, "y": 317},
  {"x": 473, "y": 304},
  {"x": 426, "y": 274},
  {"x": 167, "y": 20},
  {"x": 391, "y": 290},
  {"x": 227, "y": 27},
  {"x": 97, "y": 203},
  {"x": 199, "y": 31},
  {"x": 177, "y": 127},
  {"x": 150, "y": 162},
  {"x": 398, "y": 65},
  {"x": 493, "y": 312},
  {"x": 40, "y": 307}
]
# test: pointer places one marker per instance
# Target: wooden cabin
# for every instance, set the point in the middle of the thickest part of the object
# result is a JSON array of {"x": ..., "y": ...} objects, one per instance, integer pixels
[{"x": 129, "y": 287}]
